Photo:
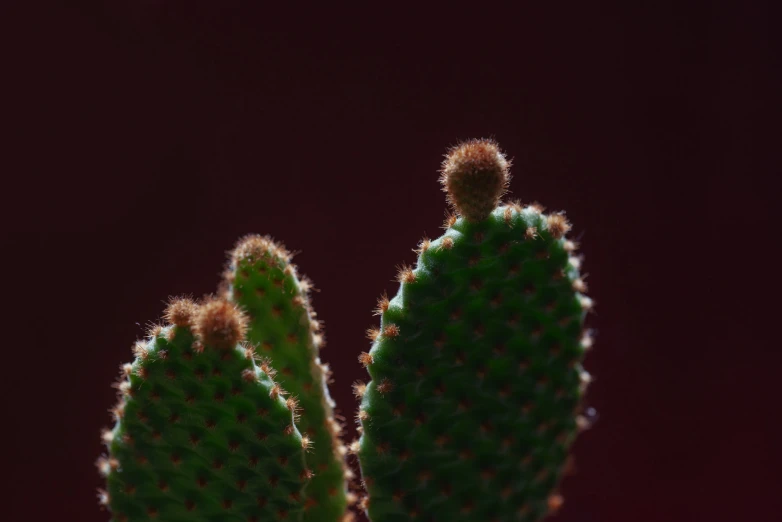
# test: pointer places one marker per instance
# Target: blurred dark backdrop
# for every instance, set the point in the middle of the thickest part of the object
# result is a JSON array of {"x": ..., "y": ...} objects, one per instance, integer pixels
[{"x": 144, "y": 137}]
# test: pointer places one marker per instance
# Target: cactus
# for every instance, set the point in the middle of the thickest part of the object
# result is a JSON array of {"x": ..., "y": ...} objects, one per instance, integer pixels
[
  {"x": 476, "y": 376},
  {"x": 202, "y": 432},
  {"x": 262, "y": 280}
]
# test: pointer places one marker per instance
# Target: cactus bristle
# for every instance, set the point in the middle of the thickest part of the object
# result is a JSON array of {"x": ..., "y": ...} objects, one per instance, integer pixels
[{"x": 475, "y": 176}]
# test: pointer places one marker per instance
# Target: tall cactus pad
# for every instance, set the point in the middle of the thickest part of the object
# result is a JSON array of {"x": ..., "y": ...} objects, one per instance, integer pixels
[
  {"x": 262, "y": 280},
  {"x": 202, "y": 432},
  {"x": 476, "y": 367}
]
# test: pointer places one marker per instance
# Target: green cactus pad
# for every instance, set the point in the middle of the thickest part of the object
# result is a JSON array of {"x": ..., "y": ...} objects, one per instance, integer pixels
[
  {"x": 476, "y": 374},
  {"x": 202, "y": 433},
  {"x": 262, "y": 280}
]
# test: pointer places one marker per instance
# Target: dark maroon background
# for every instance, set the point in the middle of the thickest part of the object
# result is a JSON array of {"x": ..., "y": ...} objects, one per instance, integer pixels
[{"x": 147, "y": 136}]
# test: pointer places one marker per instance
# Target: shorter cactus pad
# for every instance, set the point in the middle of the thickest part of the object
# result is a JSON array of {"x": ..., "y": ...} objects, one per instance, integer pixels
[{"x": 202, "y": 432}]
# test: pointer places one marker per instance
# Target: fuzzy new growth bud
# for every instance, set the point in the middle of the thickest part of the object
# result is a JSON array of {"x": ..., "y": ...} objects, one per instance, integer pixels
[
  {"x": 220, "y": 324},
  {"x": 180, "y": 311},
  {"x": 475, "y": 176}
]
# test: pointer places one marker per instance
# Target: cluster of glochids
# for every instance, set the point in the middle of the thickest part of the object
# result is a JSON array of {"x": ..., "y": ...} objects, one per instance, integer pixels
[{"x": 474, "y": 400}]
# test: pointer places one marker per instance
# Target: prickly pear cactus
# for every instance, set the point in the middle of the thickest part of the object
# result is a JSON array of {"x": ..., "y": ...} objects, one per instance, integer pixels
[
  {"x": 202, "y": 432},
  {"x": 282, "y": 324},
  {"x": 476, "y": 376}
]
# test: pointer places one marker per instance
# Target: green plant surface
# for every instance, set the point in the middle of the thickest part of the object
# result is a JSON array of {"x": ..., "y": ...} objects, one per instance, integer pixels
[
  {"x": 262, "y": 280},
  {"x": 202, "y": 432},
  {"x": 476, "y": 369}
]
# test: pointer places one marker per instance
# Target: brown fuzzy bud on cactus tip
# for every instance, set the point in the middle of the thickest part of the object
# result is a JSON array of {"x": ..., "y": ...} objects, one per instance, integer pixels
[
  {"x": 180, "y": 311},
  {"x": 220, "y": 324},
  {"x": 475, "y": 176}
]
